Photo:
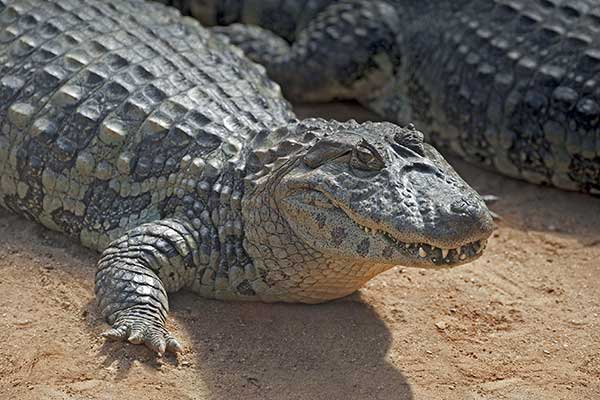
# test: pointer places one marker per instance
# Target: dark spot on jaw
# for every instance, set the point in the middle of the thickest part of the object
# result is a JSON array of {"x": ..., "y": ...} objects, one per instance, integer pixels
[
  {"x": 338, "y": 234},
  {"x": 321, "y": 220},
  {"x": 363, "y": 247},
  {"x": 388, "y": 251}
]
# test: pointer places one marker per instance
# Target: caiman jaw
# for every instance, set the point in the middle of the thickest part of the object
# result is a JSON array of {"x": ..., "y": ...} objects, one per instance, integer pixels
[
  {"x": 436, "y": 255},
  {"x": 420, "y": 251}
]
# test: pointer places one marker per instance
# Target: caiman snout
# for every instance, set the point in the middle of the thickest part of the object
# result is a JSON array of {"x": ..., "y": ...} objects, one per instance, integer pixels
[{"x": 466, "y": 218}]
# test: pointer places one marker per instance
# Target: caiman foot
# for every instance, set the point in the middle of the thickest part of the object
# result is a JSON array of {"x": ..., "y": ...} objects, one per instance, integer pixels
[{"x": 138, "y": 329}]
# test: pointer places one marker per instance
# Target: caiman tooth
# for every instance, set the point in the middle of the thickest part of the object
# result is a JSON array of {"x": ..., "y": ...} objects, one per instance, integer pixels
[
  {"x": 445, "y": 253},
  {"x": 422, "y": 252}
]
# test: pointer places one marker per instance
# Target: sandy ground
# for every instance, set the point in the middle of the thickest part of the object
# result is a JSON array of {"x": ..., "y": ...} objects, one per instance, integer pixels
[{"x": 522, "y": 322}]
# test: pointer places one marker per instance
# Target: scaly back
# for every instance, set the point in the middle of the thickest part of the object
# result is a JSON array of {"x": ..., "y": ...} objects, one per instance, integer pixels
[{"x": 109, "y": 113}]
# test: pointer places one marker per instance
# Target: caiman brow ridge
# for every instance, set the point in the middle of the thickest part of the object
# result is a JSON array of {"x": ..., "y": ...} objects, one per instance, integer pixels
[{"x": 143, "y": 136}]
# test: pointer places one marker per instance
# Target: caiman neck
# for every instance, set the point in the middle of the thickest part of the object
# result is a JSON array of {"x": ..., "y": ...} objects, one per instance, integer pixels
[{"x": 287, "y": 269}]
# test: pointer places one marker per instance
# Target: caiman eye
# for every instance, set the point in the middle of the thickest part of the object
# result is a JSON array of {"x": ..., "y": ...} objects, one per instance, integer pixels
[{"x": 366, "y": 157}]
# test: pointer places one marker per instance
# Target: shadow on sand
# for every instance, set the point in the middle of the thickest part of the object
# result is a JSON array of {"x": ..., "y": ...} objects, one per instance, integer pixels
[{"x": 277, "y": 351}]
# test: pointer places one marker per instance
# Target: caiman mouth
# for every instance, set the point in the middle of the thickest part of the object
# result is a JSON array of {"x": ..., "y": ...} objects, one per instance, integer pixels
[
  {"x": 436, "y": 255},
  {"x": 423, "y": 253}
]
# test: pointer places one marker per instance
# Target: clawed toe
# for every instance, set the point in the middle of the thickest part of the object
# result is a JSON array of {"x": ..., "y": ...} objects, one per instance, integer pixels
[
  {"x": 138, "y": 331},
  {"x": 136, "y": 336},
  {"x": 173, "y": 345},
  {"x": 114, "y": 334}
]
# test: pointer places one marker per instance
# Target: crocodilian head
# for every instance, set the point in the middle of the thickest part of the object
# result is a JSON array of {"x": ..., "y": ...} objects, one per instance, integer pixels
[{"x": 338, "y": 203}]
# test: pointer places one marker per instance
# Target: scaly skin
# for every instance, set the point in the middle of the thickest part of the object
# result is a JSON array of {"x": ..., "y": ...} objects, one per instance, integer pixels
[
  {"x": 144, "y": 137},
  {"x": 509, "y": 84}
]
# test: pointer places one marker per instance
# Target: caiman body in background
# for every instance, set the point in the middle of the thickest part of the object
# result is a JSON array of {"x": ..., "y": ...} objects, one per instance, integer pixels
[
  {"x": 137, "y": 133},
  {"x": 512, "y": 85}
]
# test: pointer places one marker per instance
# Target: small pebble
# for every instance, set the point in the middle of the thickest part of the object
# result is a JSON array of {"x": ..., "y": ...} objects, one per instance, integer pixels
[{"x": 441, "y": 325}]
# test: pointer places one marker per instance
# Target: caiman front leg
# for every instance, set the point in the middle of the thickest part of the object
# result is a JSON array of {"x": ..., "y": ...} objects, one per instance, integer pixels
[
  {"x": 134, "y": 276},
  {"x": 347, "y": 51}
]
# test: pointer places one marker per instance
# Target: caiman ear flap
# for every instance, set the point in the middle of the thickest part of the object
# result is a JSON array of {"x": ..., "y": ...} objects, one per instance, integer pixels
[{"x": 325, "y": 150}]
